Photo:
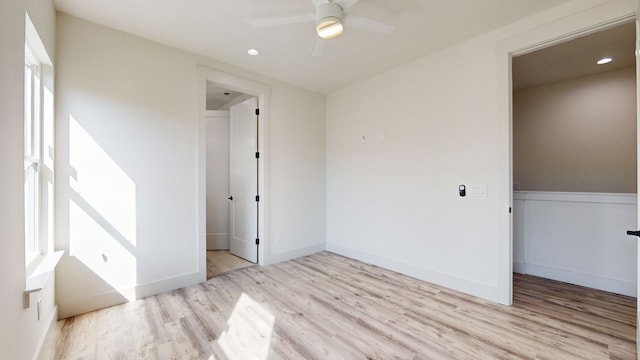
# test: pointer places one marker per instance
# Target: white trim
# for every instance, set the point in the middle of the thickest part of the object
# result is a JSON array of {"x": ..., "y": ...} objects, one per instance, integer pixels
[
  {"x": 35, "y": 43},
  {"x": 580, "y": 197},
  {"x": 262, "y": 92},
  {"x": 77, "y": 306},
  {"x": 637, "y": 54},
  {"x": 480, "y": 290},
  {"x": 574, "y": 35},
  {"x": 53, "y": 320},
  {"x": 607, "y": 284},
  {"x": 218, "y": 241},
  {"x": 232, "y": 82},
  {"x": 519, "y": 267},
  {"x": 293, "y": 254},
  {"x": 201, "y": 181},
  {"x": 38, "y": 276}
]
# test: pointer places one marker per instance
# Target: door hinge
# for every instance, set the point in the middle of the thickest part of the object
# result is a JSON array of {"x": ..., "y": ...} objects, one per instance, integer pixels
[
  {"x": 257, "y": 241},
  {"x": 258, "y": 198},
  {"x": 509, "y": 209},
  {"x": 257, "y": 112},
  {"x": 258, "y": 155}
]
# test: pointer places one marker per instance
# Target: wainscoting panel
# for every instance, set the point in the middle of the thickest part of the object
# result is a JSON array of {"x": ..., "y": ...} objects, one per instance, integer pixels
[{"x": 579, "y": 238}]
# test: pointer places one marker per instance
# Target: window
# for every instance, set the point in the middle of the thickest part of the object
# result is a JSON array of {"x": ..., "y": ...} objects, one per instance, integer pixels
[{"x": 32, "y": 147}]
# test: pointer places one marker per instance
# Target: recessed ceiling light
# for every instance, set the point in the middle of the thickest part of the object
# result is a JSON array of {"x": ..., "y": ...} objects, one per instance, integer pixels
[
  {"x": 604, "y": 60},
  {"x": 253, "y": 52}
]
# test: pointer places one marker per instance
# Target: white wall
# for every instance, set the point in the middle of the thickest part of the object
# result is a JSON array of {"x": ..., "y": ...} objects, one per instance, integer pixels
[
  {"x": 297, "y": 202},
  {"x": 577, "y": 238},
  {"x": 393, "y": 199},
  {"x": 128, "y": 113},
  {"x": 217, "y": 180},
  {"x": 22, "y": 333},
  {"x": 577, "y": 135}
]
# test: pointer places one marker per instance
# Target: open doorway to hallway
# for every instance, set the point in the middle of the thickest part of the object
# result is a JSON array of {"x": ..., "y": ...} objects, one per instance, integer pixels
[
  {"x": 231, "y": 180},
  {"x": 259, "y": 156},
  {"x": 574, "y": 161}
]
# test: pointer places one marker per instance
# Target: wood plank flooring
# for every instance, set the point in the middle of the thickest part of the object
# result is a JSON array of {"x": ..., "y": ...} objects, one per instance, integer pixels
[
  {"x": 221, "y": 262},
  {"x": 325, "y": 306}
]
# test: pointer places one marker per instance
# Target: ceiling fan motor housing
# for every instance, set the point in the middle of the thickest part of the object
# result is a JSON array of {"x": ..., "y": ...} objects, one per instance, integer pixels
[{"x": 329, "y": 12}]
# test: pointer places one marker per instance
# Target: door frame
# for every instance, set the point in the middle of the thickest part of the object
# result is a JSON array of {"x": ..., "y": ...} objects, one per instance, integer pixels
[
  {"x": 555, "y": 31},
  {"x": 262, "y": 92}
]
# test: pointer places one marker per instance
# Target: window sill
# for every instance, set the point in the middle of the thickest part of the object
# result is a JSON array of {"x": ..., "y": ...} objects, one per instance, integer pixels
[{"x": 38, "y": 278}]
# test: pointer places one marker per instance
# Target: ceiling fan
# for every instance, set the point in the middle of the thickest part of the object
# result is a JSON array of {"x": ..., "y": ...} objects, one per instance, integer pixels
[{"x": 330, "y": 18}]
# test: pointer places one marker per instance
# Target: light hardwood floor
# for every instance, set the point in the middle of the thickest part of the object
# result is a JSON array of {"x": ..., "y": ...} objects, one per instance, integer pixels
[
  {"x": 325, "y": 306},
  {"x": 221, "y": 262}
]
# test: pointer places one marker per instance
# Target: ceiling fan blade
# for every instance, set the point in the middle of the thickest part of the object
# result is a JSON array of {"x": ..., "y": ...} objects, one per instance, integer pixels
[
  {"x": 318, "y": 47},
  {"x": 345, "y": 4},
  {"x": 317, "y": 3},
  {"x": 364, "y": 23},
  {"x": 282, "y": 20}
]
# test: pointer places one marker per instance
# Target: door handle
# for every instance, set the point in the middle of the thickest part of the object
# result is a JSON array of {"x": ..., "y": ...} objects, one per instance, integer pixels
[
  {"x": 634, "y": 233},
  {"x": 230, "y": 198}
]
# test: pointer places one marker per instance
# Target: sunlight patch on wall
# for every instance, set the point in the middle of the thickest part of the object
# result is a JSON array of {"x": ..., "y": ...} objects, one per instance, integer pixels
[
  {"x": 100, "y": 251},
  {"x": 102, "y": 212},
  {"x": 99, "y": 181}
]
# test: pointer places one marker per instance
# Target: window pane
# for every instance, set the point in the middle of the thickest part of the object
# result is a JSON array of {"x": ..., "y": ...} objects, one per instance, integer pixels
[
  {"x": 28, "y": 113},
  {"x": 31, "y": 215},
  {"x": 32, "y": 89}
]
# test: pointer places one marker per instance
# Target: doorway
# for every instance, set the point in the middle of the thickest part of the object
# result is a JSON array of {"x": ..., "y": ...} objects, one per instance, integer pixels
[
  {"x": 259, "y": 157},
  {"x": 574, "y": 161},
  {"x": 231, "y": 180}
]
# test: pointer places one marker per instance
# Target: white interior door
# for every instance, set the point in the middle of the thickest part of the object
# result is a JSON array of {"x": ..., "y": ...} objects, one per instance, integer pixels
[{"x": 244, "y": 180}]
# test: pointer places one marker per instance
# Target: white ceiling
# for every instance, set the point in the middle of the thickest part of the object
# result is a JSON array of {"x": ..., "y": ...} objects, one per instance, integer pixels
[
  {"x": 219, "y": 98},
  {"x": 577, "y": 57},
  {"x": 219, "y": 29}
]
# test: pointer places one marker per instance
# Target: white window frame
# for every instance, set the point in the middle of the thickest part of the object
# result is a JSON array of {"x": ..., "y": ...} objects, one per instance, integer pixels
[{"x": 32, "y": 154}]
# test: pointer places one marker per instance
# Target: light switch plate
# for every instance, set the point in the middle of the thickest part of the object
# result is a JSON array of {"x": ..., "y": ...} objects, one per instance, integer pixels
[{"x": 477, "y": 190}]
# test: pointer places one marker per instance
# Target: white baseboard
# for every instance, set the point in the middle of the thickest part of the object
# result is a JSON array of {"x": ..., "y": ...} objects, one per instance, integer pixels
[
  {"x": 476, "y": 289},
  {"x": 288, "y": 255},
  {"x": 519, "y": 267},
  {"x": 72, "y": 307},
  {"x": 588, "y": 280},
  {"x": 159, "y": 287},
  {"x": 53, "y": 319},
  {"x": 218, "y": 241}
]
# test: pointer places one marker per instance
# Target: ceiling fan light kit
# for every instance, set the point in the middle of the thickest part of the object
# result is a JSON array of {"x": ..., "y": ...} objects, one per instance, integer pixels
[
  {"x": 329, "y": 20},
  {"x": 329, "y": 28},
  {"x": 330, "y": 17}
]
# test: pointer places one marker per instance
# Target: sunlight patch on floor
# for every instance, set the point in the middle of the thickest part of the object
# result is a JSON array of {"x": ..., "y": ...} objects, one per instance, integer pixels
[{"x": 249, "y": 331}]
